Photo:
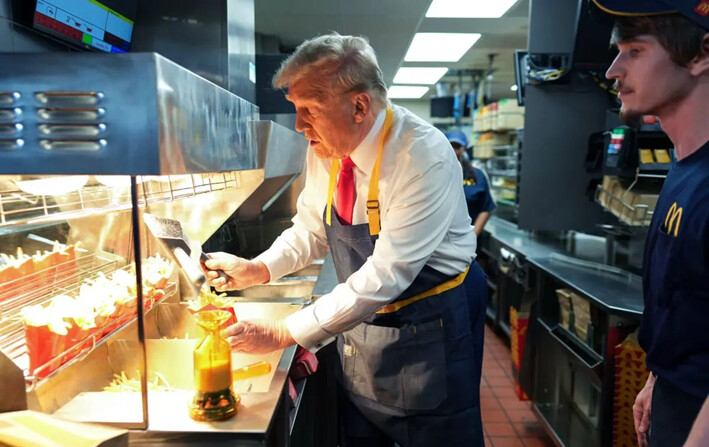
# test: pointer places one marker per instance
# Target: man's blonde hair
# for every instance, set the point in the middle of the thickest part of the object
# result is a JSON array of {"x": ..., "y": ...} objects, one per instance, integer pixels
[{"x": 338, "y": 62}]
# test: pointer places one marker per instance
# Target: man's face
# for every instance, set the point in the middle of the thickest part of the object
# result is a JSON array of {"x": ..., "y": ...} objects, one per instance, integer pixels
[
  {"x": 647, "y": 80},
  {"x": 458, "y": 148},
  {"x": 326, "y": 117}
]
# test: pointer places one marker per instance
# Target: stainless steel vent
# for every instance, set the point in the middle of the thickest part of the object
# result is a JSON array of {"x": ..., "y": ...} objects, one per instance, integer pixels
[
  {"x": 70, "y": 123},
  {"x": 70, "y": 115},
  {"x": 11, "y": 127},
  {"x": 10, "y": 114},
  {"x": 9, "y": 98},
  {"x": 69, "y": 99}
]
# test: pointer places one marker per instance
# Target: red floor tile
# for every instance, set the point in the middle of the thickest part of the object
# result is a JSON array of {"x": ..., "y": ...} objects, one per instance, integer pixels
[
  {"x": 508, "y": 422},
  {"x": 506, "y": 442},
  {"x": 486, "y": 391},
  {"x": 499, "y": 429},
  {"x": 494, "y": 416},
  {"x": 489, "y": 403},
  {"x": 500, "y": 352},
  {"x": 521, "y": 415},
  {"x": 505, "y": 392},
  {"x": 499, "y": 382},
  {"x": 494, "y": 371},
  {"x": 512, "y": 403},
  {"x": 490, "y": 362}
]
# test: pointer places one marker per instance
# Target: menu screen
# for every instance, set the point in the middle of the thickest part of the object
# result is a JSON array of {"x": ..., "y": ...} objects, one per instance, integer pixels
[{"x": 87, "y": 23}]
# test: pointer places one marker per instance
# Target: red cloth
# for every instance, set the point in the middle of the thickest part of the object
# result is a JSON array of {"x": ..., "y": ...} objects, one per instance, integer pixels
[
  {"x": 346, "y": 191},
  {"x": 304, "y": 364}
]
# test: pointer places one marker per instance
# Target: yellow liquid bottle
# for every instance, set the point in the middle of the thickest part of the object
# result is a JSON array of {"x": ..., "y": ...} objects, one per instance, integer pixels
[{"x": 214, "y": 398}]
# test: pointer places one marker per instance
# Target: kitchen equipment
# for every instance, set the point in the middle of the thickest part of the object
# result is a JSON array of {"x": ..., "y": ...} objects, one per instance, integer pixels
[
  {"x": 188, "y": 253},
  {"x": 214, "y": 397}
]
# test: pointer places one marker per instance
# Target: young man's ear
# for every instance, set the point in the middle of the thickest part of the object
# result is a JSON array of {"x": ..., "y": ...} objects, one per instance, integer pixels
[
  {"x": 362, "y": 106},
  {"x": 700, "y": 64}
]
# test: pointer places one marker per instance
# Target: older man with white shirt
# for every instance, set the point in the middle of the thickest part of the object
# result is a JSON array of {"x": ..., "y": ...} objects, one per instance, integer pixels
[{"x": 383, "y": 193}]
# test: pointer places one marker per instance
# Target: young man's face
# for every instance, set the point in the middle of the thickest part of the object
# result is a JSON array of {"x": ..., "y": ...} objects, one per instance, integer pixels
[
  {"x": 326, "y": 118},
  {"x": 647, "y": 80}
]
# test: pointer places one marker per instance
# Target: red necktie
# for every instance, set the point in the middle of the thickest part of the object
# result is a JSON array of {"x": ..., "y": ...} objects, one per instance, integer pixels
[{"x": 346, "y": 191}]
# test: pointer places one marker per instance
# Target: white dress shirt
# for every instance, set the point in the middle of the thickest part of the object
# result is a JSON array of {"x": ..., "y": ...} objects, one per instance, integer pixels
[{"x": 424, "y": 221}]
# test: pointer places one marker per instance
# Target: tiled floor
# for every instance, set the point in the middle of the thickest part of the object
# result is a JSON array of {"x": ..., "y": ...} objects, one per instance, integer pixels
[{"x": 508, "y": 422}]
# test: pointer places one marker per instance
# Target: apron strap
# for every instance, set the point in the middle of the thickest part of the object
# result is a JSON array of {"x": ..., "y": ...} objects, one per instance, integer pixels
[
  {"x": 373, "y": 195},
  {"x": 444, "y": 287},
  {"x": 331, "y": 188}
]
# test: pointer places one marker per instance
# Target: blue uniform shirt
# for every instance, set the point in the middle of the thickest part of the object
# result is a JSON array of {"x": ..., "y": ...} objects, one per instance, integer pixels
[
  {"x": 675, "y": 327},
  {"x": 477, "y": 194}
]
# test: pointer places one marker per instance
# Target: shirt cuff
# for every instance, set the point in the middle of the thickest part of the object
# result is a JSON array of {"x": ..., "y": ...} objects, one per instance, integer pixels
[
  {"x": 306, "y": 331},
  {"x": 274, "y": 262}
]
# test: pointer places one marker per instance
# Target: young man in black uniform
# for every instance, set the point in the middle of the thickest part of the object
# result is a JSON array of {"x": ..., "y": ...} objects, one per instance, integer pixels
[{"x": 662, "y": 69}]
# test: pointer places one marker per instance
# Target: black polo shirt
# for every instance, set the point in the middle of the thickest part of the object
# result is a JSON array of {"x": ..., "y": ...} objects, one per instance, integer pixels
[{"x": 675, "y": 327}]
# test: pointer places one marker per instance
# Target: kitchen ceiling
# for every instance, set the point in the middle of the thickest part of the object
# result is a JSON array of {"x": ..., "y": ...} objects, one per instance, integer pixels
[{"x": 390, "y": 26}]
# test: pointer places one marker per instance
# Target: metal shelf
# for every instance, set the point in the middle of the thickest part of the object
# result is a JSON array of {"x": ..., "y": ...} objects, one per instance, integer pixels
[
  {"x": 22, "y": 207},
  {"x": 507, "y": 174},
  {"x": 39, "y": 288},
  {"x": 506, "y": 147},
  {"x": 637, "y": 216},
  {"x": 507, "y": 202}
]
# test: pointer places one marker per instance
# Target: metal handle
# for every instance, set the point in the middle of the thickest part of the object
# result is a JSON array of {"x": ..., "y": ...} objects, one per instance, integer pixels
[
  {"x": 194, "y": 273},
  {"x": 204, "y": 258},
  {"x": 592, "y": 362}
]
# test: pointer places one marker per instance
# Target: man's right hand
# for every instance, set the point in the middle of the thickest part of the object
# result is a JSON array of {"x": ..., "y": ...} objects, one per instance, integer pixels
[
  {"x": 242, "y": 272},
  {"x": 641, "y": 412}
]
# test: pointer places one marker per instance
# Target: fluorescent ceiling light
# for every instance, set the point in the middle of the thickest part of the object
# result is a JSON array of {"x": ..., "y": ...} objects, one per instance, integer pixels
[
  {"x": 469, "y": 8},
  {"x": 440, "y": 47},
  {"x": 513, "y": 88},
  {"x": 419, "y": 75},
  {"x": 407, "y": 91}
]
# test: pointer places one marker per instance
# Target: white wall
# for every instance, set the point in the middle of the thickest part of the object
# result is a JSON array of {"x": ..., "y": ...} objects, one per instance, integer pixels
[{"x": 420, "y": 107}]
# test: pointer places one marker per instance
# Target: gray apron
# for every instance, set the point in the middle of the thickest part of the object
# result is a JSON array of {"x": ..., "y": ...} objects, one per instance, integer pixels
[{"x": 413, "y": 374}]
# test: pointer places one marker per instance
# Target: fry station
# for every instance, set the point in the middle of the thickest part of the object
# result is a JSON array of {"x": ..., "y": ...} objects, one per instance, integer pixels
[{"x": 80, "y": 338}]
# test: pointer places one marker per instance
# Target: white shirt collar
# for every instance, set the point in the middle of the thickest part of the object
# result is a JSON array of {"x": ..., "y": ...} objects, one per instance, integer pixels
[{"x": 365, "y": 154}]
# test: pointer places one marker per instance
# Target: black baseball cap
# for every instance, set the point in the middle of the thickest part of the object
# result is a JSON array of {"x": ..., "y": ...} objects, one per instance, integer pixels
[{"x": 695, "y": 10}]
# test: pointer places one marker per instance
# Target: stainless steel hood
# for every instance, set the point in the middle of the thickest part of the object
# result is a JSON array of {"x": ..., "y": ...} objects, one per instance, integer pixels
[
  {"x": 130, "y": 114},
  {"x": 281, "y": 154}
]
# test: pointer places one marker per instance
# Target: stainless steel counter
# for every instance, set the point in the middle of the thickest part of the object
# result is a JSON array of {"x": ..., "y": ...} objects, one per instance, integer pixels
[
  {"x": 620, "y": 292},
  {"x": 523, "y": 242},
  {"x": 617, "y": 292}
]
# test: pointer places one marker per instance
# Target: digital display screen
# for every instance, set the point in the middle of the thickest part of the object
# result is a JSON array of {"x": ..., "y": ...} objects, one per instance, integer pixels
[
  {"x": 616, "y": 141},
  {"x": 87, "y": 23}
]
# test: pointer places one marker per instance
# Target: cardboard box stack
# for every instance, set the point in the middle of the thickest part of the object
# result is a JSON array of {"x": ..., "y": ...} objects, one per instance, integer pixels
[{"x": 630, "y": 377}]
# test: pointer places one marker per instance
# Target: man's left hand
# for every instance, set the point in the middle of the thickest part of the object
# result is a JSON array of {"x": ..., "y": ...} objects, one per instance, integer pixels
[{"x": 258, "y": 337}]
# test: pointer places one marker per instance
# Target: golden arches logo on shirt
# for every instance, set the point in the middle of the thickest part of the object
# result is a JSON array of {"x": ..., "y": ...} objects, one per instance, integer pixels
[
  {"x": 469, "y": 182},
  {"x": 702, "y": 8},
  {"x": 673, "y": 220}
]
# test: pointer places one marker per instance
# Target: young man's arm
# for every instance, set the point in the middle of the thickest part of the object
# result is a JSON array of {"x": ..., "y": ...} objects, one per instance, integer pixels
[{"x": 480, "y": 222}]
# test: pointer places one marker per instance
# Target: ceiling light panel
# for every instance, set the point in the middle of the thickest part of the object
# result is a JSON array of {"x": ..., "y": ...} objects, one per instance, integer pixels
[
  {"x": 493, "y": 9},
  {"x": 440, "y": 47},
  {"x": 407, "y": 91},
  {"x": 419, "y": 75}
]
